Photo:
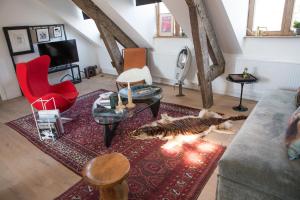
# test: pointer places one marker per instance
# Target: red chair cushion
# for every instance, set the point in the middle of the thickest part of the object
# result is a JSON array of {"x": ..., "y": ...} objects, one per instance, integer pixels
[{"x": 33, "y": 81}]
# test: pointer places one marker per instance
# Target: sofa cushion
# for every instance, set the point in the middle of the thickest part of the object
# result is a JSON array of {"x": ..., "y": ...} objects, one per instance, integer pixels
[
  {"x": 293, "y": 136},
  {"x": 257, "y": 157},
  {"x": 297, "y": 99}
]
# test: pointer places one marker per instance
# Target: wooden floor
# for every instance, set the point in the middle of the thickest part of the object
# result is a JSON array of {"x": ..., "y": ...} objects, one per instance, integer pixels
[{"x": 28, "y": 173}]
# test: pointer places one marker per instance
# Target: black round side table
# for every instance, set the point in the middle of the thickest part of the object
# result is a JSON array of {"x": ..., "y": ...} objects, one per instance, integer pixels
[{"x": 238, "y": 78}]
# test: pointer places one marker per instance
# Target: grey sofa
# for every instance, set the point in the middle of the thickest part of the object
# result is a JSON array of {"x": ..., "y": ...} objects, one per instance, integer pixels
[{"x": 255, "y": 165}]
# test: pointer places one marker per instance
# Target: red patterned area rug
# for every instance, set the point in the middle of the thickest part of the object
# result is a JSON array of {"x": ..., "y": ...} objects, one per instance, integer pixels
[{"x": 156, "y": 172}]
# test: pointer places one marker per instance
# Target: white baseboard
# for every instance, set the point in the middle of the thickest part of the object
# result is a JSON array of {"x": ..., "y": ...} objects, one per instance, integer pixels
[
  {"x": 109, "y": 70},
  {"x": 253, "y": 95},
  {"x": 232, "y": 92}
]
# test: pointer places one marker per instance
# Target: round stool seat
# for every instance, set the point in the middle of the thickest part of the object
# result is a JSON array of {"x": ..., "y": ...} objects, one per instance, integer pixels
[{"x": 107, "y": 170}]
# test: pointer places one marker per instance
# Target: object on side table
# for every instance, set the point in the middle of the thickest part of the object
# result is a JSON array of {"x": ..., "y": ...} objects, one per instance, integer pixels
[
  {"x": 111, "y": 179},
  {"x": 90, "y": 71},
  {"x": 239, "y": 78},
  {"x": 245, "y": 73}
]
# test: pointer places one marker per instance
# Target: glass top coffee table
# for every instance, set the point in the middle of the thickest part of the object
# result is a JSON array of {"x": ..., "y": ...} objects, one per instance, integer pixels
[{"x": 110, "y": 118}]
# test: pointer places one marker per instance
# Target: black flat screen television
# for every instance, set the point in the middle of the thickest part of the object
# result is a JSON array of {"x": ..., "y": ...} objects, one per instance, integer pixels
[{"x": 61, "y": 52}]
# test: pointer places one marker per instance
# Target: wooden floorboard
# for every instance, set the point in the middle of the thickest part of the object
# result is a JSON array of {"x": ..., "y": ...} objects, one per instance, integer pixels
[{"x": 28, "y": 173}]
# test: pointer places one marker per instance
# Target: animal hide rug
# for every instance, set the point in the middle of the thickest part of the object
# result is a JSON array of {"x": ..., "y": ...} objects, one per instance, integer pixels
[{"x": 168, "y": 127}]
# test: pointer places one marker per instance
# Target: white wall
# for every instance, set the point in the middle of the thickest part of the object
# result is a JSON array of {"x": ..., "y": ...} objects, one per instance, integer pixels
[
  {"x": 275, "y": 60},
  {"x": 164, "y": 59},
  {"x": 141, "y": 18},
  {"x": 237, "y": 12},
  {"x": 276, "y": 65},
  {"x": 281, "y": 49},
  {"x": 18, "y": 13}
]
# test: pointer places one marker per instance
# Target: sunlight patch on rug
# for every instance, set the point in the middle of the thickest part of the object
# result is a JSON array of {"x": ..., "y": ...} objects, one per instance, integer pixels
[{"x": 191, "y": 148}]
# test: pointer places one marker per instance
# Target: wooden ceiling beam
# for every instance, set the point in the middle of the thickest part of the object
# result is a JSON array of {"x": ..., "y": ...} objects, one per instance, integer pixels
[
  {"x": 113, "y": 49},
  {"x": 206, "y": 46},
  {"x": 94, "y": 12},
  {"x": 110, "y": 32},
  {"x": 211, "y": 35},
  {"x": 202, "y": 56}
]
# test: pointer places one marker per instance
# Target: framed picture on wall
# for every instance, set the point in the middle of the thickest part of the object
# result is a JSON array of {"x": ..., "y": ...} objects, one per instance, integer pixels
[
  {"x": 42, "y": 35},
  {"x": 57, "y": 32},
  {"x": 166, "y": 24},
  {"x": 18, "y": 40}
]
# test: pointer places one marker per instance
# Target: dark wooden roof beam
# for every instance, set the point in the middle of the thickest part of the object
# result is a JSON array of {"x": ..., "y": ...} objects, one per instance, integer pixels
[
  {"x": 110, "y": 32},
  {"x": 206, "y": 46}
]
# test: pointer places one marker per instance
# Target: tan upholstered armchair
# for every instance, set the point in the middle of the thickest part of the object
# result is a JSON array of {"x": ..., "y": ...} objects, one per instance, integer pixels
[{"x": 135, "y": 69}]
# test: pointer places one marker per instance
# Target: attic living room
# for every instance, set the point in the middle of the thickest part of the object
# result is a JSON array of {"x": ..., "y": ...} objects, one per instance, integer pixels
[{"x": 149, "y": 99}]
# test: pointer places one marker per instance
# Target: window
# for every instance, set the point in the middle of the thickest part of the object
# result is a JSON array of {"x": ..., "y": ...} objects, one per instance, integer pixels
[
  {"x": 296, "y": 14},
  {"x": 272, "y": 17},
  {"x": 166, "y": 26}
]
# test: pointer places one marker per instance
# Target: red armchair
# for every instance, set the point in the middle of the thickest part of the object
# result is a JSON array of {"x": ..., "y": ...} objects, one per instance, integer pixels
[{"x": 33, "y": 81}]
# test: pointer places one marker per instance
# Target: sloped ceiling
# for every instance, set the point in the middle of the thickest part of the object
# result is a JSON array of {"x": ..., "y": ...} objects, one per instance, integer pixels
[
  {"x": 68, "y": 12},
  {"x": 123, "y": 14},
  {"x": 226, "y": 35}
]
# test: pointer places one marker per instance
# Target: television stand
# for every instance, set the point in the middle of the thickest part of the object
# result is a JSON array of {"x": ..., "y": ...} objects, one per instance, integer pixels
[{"x": 66, "y": 67}]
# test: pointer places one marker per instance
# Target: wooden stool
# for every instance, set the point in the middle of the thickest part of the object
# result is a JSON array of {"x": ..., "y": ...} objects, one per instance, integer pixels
[{"x": 109, "y": 172}]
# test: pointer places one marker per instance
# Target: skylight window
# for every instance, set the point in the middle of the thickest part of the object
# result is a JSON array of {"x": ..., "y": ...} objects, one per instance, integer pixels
[
  {"x": 296, "y": 14},
  {"x": 272, "y": 17}
]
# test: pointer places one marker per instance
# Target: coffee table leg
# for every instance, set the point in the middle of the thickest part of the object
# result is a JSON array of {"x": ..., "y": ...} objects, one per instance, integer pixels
[
  {"x": 109, "y": 133},
  {"x": 155, "y": 108},
  {"x": 240, "y": 107}
]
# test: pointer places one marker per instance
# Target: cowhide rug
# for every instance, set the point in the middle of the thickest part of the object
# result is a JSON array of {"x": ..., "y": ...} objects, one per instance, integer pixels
[{"x": 169, "y": 127}]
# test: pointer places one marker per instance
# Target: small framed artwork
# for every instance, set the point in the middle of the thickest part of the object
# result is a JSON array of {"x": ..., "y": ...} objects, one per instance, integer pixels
[
  {"x": 42, "y": 35},
  {"x": 18, "y": 40},
  {"x": 166, "y": 25},
  {"x": 57, "y": 32}
]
